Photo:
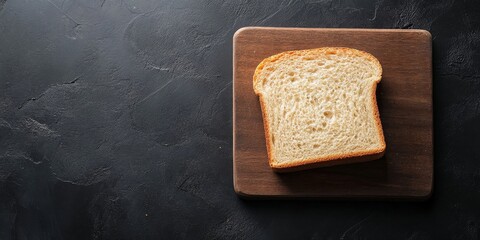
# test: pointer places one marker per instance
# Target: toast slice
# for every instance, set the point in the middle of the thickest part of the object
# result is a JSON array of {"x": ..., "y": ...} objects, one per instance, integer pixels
[{"x": 319, "y": 107}]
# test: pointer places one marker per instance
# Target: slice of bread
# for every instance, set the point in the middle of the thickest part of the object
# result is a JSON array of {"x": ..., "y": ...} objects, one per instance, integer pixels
[{"x": 319, "y": 107}]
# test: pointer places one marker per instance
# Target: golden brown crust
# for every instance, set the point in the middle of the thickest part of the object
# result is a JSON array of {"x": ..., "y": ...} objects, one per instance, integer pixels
[
  {"x": 315, "y": 163},
  {"x": 354, "y": 157},
  {"x": 267, "y": 129}
]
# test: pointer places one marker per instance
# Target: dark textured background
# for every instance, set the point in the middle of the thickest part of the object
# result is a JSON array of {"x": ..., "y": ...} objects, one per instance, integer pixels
[{"x": 116, "y": 123}]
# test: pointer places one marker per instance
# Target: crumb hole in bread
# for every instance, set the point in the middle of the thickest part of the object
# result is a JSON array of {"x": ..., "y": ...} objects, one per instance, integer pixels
[
  {"x": 273, "y": 139},
  {"x": 291, "y": 73},
  {"x": 320, "y": 63},
  {"x": 308, "y": 58},
  {"x": 324, "y": 124},
  {"x": 293, "y": 79},
  {"x": 316, "y": 145},
  {"x": 328, "y": 114}
]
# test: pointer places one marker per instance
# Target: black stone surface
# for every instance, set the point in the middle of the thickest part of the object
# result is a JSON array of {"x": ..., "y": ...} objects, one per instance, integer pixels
[{"x": 115, "y": 122}]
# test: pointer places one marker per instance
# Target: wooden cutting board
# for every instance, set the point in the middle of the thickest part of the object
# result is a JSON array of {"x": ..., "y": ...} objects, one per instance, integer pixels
[{"x": 405, "y": 102}]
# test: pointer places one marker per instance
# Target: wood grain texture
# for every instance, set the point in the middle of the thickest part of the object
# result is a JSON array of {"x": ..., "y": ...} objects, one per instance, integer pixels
[{"x": 404, "y": 98}]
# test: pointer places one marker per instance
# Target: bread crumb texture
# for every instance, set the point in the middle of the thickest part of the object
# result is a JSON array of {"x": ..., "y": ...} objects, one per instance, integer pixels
[{"x": 319, "y": 105}]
